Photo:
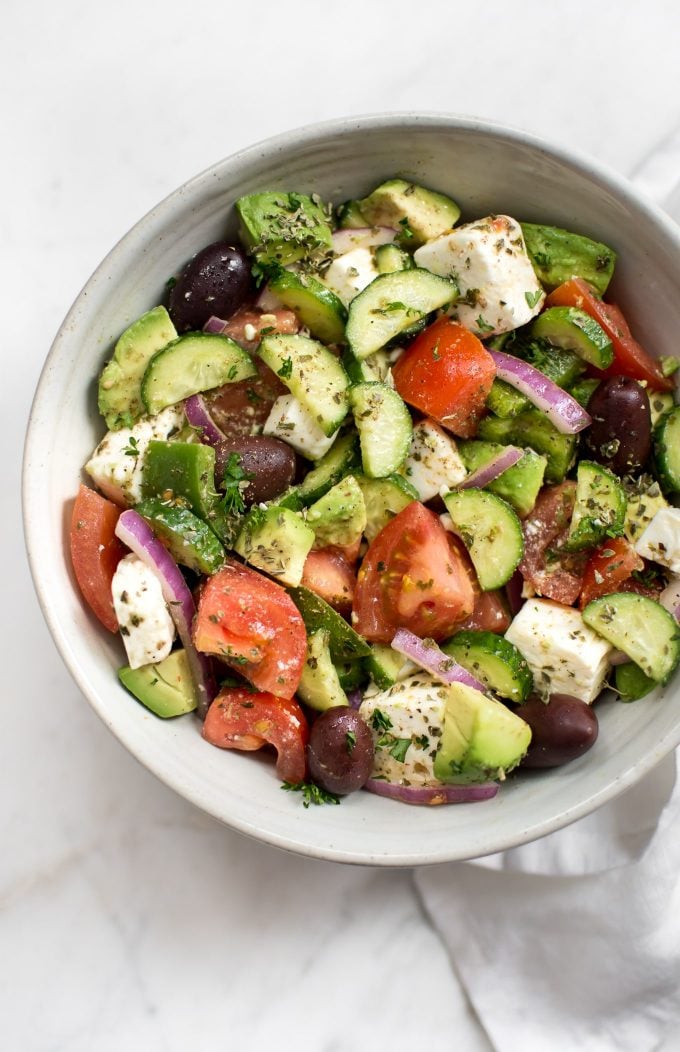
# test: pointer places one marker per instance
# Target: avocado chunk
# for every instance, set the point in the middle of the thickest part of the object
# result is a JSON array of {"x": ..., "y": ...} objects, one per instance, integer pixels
[
  {"x": 533, "y": 429},
  {"x": 120, "y": 383},
  {"x": 519, "y": 485},
  {"x": 420, "y": 214},
  {"x": 277, "y": 541},
  {"x": 281, "y": 227},
  {"x": 481, "y": 738},
  {"x": 339, "y": 517},
  {"x": 319, "y": 685},
  {"x": 558, "y": 255},
  {"x": 166, "y": 688}
]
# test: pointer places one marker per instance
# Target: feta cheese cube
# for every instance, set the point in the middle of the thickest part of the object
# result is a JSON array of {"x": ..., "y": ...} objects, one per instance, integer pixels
[
  {"x": 406, "y": 721},
  {"x": 117, "y": 463},
  {"x": 433, "y": 463},
  {"x": 350, "y": 273},
  {"x": 661, "y": 539},
  {"x": 290, "y": 421},
  {"x": 499, "y": 290},
  {"x": 563, "y": 653},
  {"x": 145, "y": 623}
]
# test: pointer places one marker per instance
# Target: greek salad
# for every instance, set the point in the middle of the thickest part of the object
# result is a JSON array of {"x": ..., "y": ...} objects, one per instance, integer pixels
[{"x": 390, "y": 492}]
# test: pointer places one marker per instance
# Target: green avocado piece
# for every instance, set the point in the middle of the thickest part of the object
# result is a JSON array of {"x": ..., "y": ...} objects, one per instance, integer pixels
[
  {"x": 166, "y": 688},
  {"x": 120, "y": 383},
  {"x": 339, "y": 517},
  {"x": 280, "y": 227},
  {"x": 519, "y": 485},
  {"x": 420, "y": 214},
  {"x": 319, "y": 685},
  {"x": 504, "y": 400},
  {"x": 189, "y": 539},
  {"x": 533, "y": 429},
  {"x": 481, "y": 738},
  {"x": 277, "y": 541},
  {"x": 345, "y": 644},
  {"x": 558, "y": 255}
]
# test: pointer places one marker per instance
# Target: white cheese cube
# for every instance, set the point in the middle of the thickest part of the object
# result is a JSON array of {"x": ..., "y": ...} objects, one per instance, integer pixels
[
  {"x": 661, "y": 540},
  {"x": 145, "y": 622},
  {"x": 350, "y": 273},
  {"x": 565, "y": 655},
  {"x": 499, "y": 290},
  {"x": 291, "y": 422},
  {"x": 412, "y": 710},
  {"x": 433, "y": 463},
  {"x": 117, "y": 463}
]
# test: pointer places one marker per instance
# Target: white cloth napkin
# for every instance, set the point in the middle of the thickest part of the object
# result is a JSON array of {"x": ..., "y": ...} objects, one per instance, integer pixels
[{"x": 572, "y": 943}]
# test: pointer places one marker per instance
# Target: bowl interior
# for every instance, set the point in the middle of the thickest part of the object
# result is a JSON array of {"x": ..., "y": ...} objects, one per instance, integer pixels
[{"x": 487, "y": 170}]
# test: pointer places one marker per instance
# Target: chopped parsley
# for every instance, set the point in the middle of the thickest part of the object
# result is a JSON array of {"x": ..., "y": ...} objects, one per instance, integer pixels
[
  {"x": 311, "y": 793},
  {"x": 379, "y": 721},
  {"x": 533, "y": 298},
  {"x": 351, "y": 740},
  {"x": 234, "y": 475},
  {"x": 483, "y": 325},
  {"x": 132, "y": 448},
  {"x": 286, "y": 370},
  {"x": 399, "y": 749}
]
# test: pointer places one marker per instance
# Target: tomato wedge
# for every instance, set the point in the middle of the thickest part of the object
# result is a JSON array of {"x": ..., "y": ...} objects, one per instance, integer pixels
[
  {"x": 239, "y": 719},
  {"x": 553, "y": 573},
  {"x": 630, "y": 359},
  {"x": 608, "y": 567},
  {"x": 328, "y": 573},
  {"x": 253, "y": 625},
  {"x": 412, "y": 576},
  {"x": 96, "y": 552},
  {"x": 447, "y": 374}
]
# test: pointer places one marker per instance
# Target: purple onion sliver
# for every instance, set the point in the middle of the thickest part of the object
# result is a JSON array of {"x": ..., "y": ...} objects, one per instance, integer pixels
[
  {"x": 214, "y": 324},
  {"x": 507, "y": 458},
  {"x": 561, "y": 409},
  {"x": 617, "y": 657},
  {"x": 198, "y": 415},
  {"x": 135, "y": 532},
  {"x": 428, "y": 655},
  {"x": 432, "y": 794},
  {"x": 354, "y": 698}
]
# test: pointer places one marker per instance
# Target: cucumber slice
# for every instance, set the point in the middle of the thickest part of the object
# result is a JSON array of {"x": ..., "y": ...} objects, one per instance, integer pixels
[
  {"x": 188, "y": 539},
  {"x": 319, "y": 685},
  {"x": 600, "y": 507},
  {"x": 384, "y": 498},
  {"x": 667, "y": 451},
  {"x": 351, "y": 674},
  {"x": 339, "y": 461},
  {"x": 641, "y": 628},
  {"x": 558, "y": 255},
  {"x": 495, "y": 661},
  {"x": 660, "y": 403},
  {"x": 491, "y": 532},
  {"x": 384, "y": 665},
  {"x": 390, "y": 258},
  {"x": 574, "y": 330},
  {"x": 391, "y": 304},
  {"x": 504, "y": 400},
  {"x": 312, "y": 374},
  {"x": 376, "y": 368},
  {"x": 345, "y": 644},
  {"x": 583, "y": 390},
  {"x": 631, "y": 682},
  {"x": 315, "y": 305},
  {"x": 350, "y": 216},
  {"x": 195, "y": 362},
  {"x": 384, "y": 426},
  {"x": 276, "y": 541}
]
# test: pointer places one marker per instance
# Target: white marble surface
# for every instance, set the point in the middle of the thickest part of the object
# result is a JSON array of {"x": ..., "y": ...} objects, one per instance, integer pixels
[{"x": 128, "y": 920}]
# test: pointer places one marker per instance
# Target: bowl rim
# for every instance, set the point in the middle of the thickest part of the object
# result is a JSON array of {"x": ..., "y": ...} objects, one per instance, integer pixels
[{"x": 579, "y": 162}]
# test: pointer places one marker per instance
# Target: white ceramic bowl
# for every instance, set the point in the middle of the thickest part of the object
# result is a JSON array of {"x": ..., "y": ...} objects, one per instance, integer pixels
[{"x": 486, "y": 168}]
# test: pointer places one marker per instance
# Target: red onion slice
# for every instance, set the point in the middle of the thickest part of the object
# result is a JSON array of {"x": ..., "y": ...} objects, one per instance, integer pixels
[
  {"x": 136, "y": 533},
  {"x": 361, "y": 237},
  {"x": 495, "y": 467},
  {"x": 561, "y": 409},
  {"x": 670, "y": 597},
  {"x": 432, "y": 794},
  {"x": 214, "y": 324},
  {"x": 198, "y": 415},
  {"x": 617, "y": 657},
  {"x": 426, "y": 653},
  {"x": 354, "y": 699}
]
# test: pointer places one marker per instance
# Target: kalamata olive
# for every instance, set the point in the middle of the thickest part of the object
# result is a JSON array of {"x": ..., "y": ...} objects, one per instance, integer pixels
[
  {"x": 340, "y": 751},
  {"x": 620, "y": 436},
  {"x": 269, "y": 462},
  {"x": 561, "y": 730},
  {"x": 216, "y": 281},
  {"x": 241, "y": 408}
]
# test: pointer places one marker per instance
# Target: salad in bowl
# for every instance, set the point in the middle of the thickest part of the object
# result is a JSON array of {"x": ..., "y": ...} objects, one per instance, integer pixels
[{"x": 388, "y": 490}]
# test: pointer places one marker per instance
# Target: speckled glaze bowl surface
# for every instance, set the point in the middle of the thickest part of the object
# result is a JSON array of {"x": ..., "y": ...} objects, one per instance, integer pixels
[{"x": 486, "y": 168}]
